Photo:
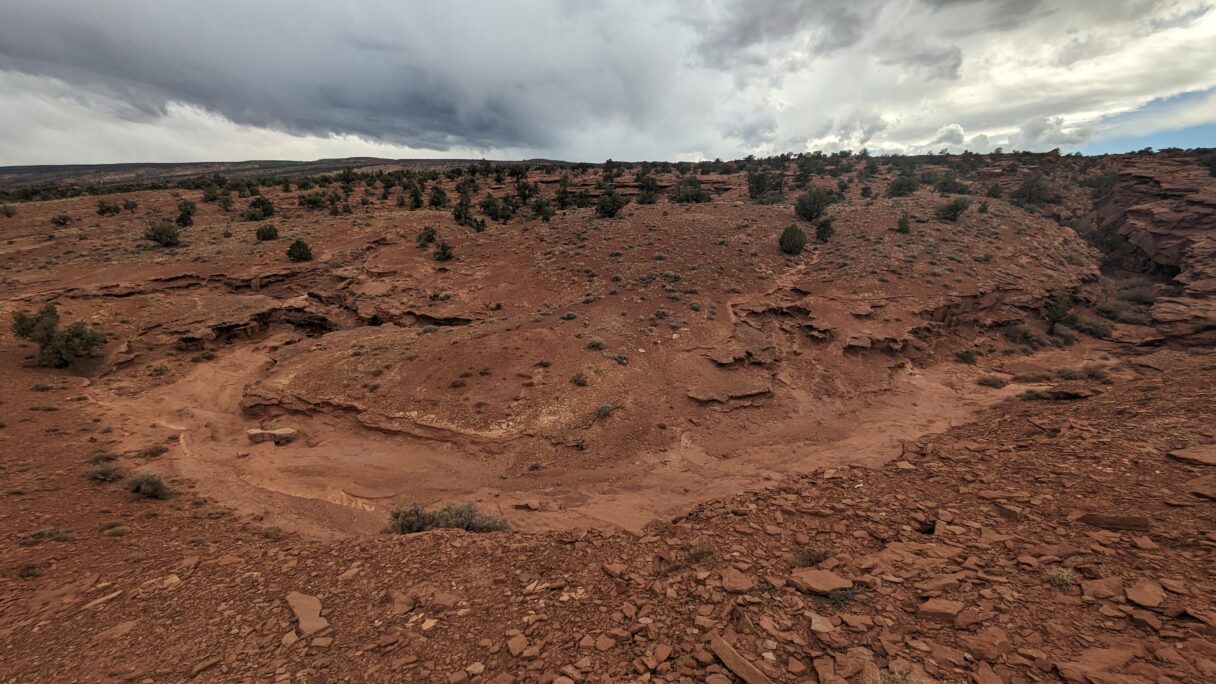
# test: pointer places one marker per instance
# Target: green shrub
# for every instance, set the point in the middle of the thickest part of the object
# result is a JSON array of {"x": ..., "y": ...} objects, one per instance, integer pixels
[
  {"x": 260, "y": 209},
  {"x": 765, "y": 186},
  {"x": 443, "y": 252},
  {"x": 902, "y": 186},
  {"x": 267, "y": 232},
  {"x": 163, "y": 233},
  {"x": 1032, "y": 192},
  {"x": 106, "y": 208},
  {"x": 1091, "y": 326},
  {"x": 994, "y": 191},
  {"x": 148, "y": 486},
  {"x": 104, "y": 471},
  {"x": 904, "y": 226},
  {"x": 610, "y": 204},
  {"x": 299, "y": 251},
  {"x": 792, "y": 240},
  {"x": 812, "y": 204},
  {"x": 7, "y": 210},
  {"x": 57, "y": 347},
  {"x": 438, "y": 198},
  {"x": 61, "y": 220},
  {"x": 992, "y": 381},
  {"x": 953, "y": 210},
  {"x": 543, "y": 209},
  {"x": 689, "y": 191},
  {"x": 415, "y": 518},
  {"x": 824, "y": 230},
  {"x": 967, "y": 356},
  {"x": 426, "y": 236}
]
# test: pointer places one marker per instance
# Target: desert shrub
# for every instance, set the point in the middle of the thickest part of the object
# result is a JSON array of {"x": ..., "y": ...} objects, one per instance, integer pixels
[
  {"x": 57, "y": 347},
  {"x": 809, "y": 558},
  {"x": 994, "y": 191},
  {"x": 578, "y": 380},
  {"x": 163, "y": 233},
  {"x": 792, "y": 240},
  {"x": 60, "y": 220},
  {"x": 267, "y": 232},
  {"x": 443, "y": 252},
  {"x": 313, "y": 200},
  {"x": 106, "y": 208},
  {"x": 299, "y": 251},
  {"x": 596, "y": 344},
  {"x": 610, "y": 204},
  {"x": 260, "y": 209},
  {"x": 950, "y": 185},
  {"x": 824, "y": 230},
  {"x": 185, "y": 213},
  {"x": 811, "y": 205},
  {"x": 765, "y": 186},
  {"x": 902, "y": 186},
  {"x": 438, "y": 198},
  {"x": 967, "y": 356},
  {"x": 1091, "y": 326},
  {"x": 415, "y": 518},
  {"x": 426, "y": 236},
  {"x": 104, "y": 471},
  {"x": 7, "y": 210},
  {"x": 130, "y": 205},
  {"x": 604, "y": 410},
  {"x": 1032, "y": 192},
  {"x": 543, "y": 209},
  {"x": 952, "y": 210},
  {"x": 1060, "y": 577},
  {"x": 1020, "y": 334},
  {"x": 148, "y": 486},
  {"x": 904, "y": 226},
  {"x": 689, "y": 191},
  {"x": 1138, "y": 291},
  {"x": 992, "y": 381}
]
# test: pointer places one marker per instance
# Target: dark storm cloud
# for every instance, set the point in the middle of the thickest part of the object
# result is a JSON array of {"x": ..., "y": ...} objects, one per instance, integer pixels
[
  {"x": 435, "y": 76},
  {"x": 756, "y": 32},
  {"x": 118, "y": 80}
]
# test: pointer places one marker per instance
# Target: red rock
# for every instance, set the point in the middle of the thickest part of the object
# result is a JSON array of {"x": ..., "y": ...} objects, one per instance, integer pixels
[
  {"x": 814, "y": 581},
  {"x": 1197, "y": 455},
  {"x": 988, "y": 644},
  {"x": 736, "y": 582},
  {"x": 943, "y": 610},
  {"x": 1146, "y": 592},
  {"x": 308, "y": 612}
]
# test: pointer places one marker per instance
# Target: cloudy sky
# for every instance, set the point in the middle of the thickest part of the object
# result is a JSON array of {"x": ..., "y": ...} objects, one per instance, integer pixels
[{"x": 91, "y": 81}]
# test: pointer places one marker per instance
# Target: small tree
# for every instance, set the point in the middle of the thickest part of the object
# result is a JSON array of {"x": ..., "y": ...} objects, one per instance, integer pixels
[
  {"x": 260, "y": 209},
  {"x": 902, "y": 186},
  {"x": 610, "y": 204},
  {"x": 811, "y": 205},
  {"x": 163, "y": 233},
  {"x": 439, "y": 198},
  {"x": 299, "y": 251},
  {"x": 543, "y": 209},
  {"x": 792, "y": 240},
  {"x": 689, "y": 191},
  {"x": 824, "y": 230},
  {"x": 426, "y": 236},
  {"x": 267, "y": 232},
  {"x": 953, "y": 210},
  {"x": 57, "y": 348}
]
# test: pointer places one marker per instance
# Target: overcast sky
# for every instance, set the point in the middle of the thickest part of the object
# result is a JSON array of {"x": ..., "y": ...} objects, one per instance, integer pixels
[{"x": 91, "y": 81}]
